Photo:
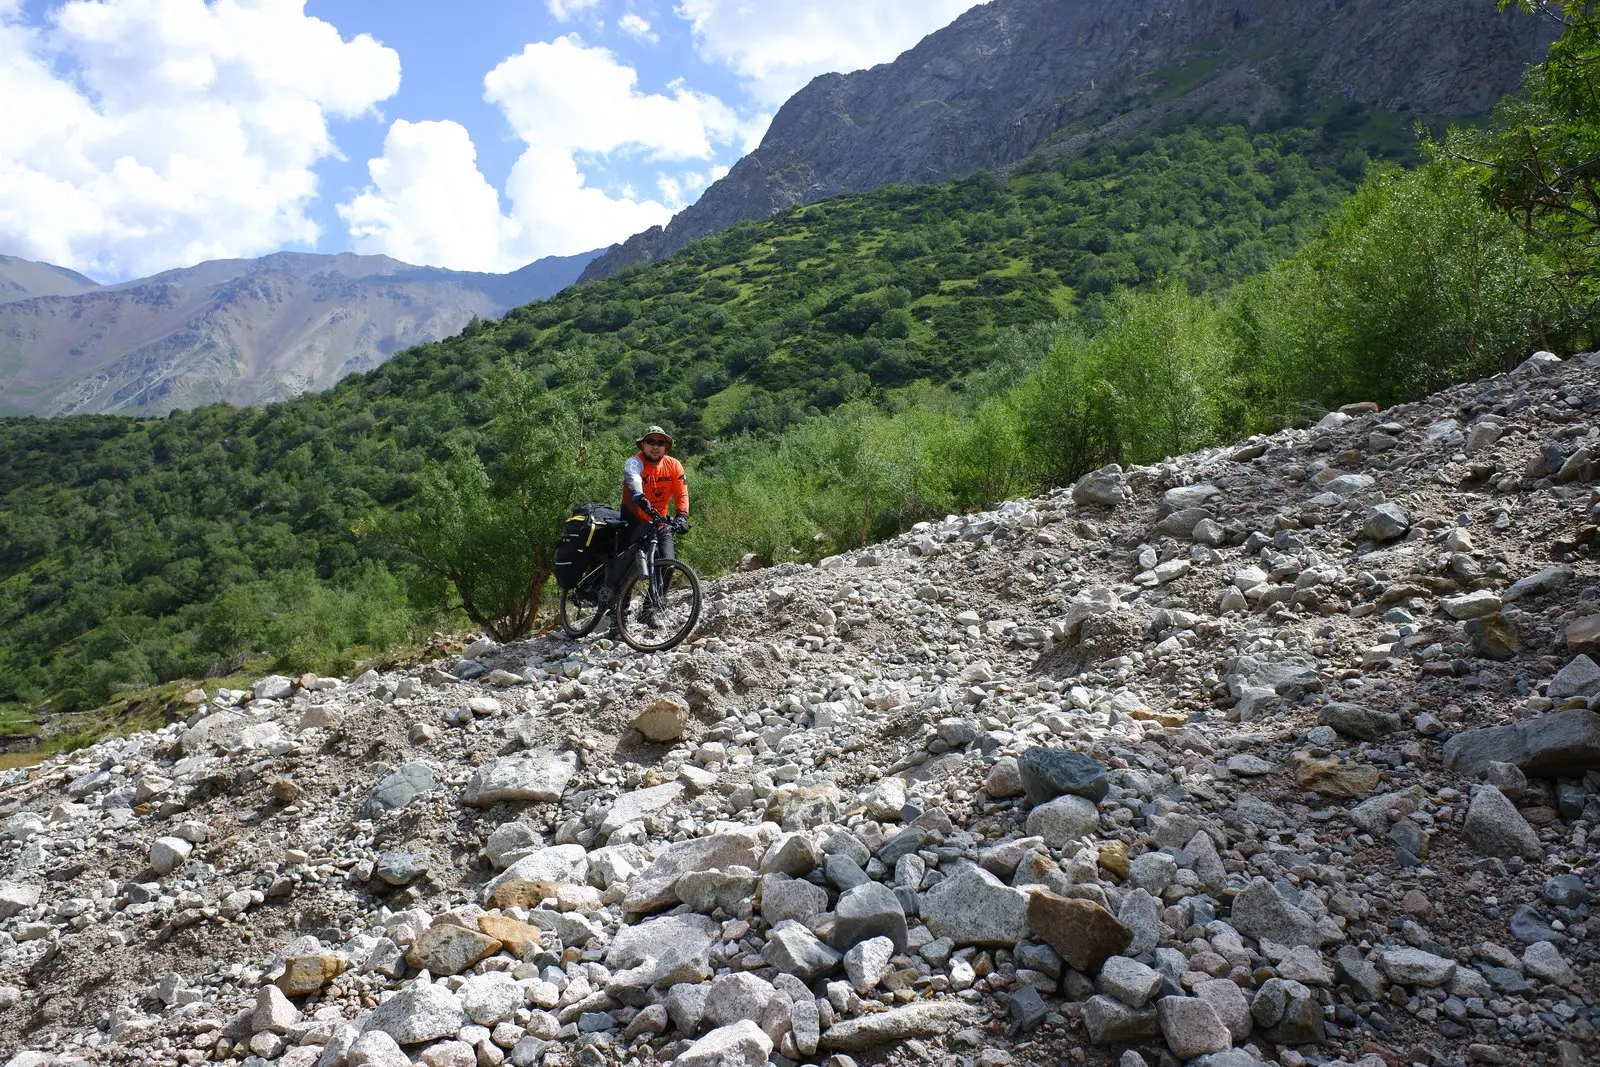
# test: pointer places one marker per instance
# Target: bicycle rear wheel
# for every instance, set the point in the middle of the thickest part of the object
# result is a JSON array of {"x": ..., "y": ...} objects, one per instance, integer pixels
[
  {"x": 660, "y": 613},
  {"x": 580, "y": 607}
]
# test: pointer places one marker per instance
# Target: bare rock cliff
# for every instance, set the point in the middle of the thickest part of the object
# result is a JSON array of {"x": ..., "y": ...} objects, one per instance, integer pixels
[{"x": 994, "y": 85}]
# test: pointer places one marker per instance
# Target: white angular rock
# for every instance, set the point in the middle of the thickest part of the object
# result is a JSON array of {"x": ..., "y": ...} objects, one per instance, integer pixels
[
  {"x": 490, "y": 998},
  {"x": 169, "y": 853},
  {"x": 1412, "y": 966},
  {"x": 1581, "y": 677},
  {"x": 419, "y": 1012},
  {"x": 16, "y": 899},
  {"x": 867, "y": 963},
  {"x": 972, "y": 907},
  {"x": 1474, "y": 605},
  {"x": 631, "y": 807},
  {"x": 273, "y": 687},
  {"x": 1063, "y": 820},
  {"x": 663, "y": 719},
  {"x": 1192, "y": 1027},
  {"x": 1544, "y": 961},
  {"x": 539, "y": 776},
  {"x": 1495, "y": 827},
  {"x": 1128, "y": 980},
  {"x": 742, "y": 1044}
]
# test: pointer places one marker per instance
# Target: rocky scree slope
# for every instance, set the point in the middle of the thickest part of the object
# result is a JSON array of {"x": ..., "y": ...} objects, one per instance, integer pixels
[
  {"x": 1285, "y": 751},
  {"x": 1004, "y": 78}
]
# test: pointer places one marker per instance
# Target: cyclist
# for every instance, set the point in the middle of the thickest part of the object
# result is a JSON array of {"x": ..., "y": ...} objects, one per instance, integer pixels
[{"x": 652, "y": 481}]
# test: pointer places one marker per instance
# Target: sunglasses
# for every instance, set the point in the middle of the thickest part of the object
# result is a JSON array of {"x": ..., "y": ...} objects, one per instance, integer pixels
[{"x": 658, "y": 442}]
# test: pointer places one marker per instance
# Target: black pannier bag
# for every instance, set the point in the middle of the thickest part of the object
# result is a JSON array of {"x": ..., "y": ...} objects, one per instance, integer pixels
[{"x": 587, "y": 540}]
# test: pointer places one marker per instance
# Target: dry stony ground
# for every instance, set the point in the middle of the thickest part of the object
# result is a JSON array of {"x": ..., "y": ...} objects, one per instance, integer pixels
[{"x": 1253, "y": 691}]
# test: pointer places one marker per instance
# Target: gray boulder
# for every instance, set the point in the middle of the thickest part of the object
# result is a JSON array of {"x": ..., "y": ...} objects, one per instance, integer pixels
[
  {"x": 1580, "y": 678},
  {"x": 1259, "y": 912},
  {"x": 897, "y": 1024},
  {"x": 1064, "y": 819},
  {"x": 399, "y": 787},
  {"x": 791, "y": 898},
  {"x": 1412, "y": 966},
  {"x": 1358, "y": 721},
  {"x": 1563, "y": 744},
  {"x": 420, "y": 1012},
  {"x": 1048, "y": 773},
  {"x": 867, "y": 911},
  {"x": 743, "y": 1044},
  {"x": 793, "y": 949},
  {"x": 1495, "y": 827},
  {"x": 1192, "y": 1027},
  {"x": 1535, "y": 585},
  {"x": 1287, "y": 674},
  {"x": 1105, "y": 487},
  {"x": 1385, "y": 522},
  {"x": 1109, "y": 1021},
  {"x": 972, "y": 907}
]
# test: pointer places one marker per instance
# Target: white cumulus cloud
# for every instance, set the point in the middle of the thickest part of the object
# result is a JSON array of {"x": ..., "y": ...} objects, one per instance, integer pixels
[
  {"x": 776, "y": 48},
  {"x": 141, "y": 135},
  {"x": 565, "y": 10},
  {"x": 571, "y": 104},
  {"x": 638, "y": 28},
  {"x": 428, "y": 203}
]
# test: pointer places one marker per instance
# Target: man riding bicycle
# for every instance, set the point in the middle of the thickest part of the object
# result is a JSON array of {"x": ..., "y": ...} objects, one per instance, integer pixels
[{"x": 652, "y": 481}]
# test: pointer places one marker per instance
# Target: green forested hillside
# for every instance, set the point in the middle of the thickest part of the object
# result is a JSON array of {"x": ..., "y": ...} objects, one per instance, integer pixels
[
  {"x": 138, "y": 550},
  {"x": 756, "y": 327},
  {"x": 831, "y": 375}
]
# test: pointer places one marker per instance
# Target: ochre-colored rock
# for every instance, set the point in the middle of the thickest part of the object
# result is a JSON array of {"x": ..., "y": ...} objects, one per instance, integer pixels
[
  {"x": 517, "y": 937},
  {"x": 1335, "y": 778},
  {"x": 516, "y": 893},
  {"x": 1114, "y": 857},
  {"x": 304, "y": 975},
  {"x": 1083, "y": 933},
  {"x": 445, "y": 948}
]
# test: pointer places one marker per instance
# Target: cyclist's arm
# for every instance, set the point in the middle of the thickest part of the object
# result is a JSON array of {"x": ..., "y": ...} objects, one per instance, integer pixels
[
  {"x": 633, "y": 482},
  {"x": 681, "y": 499}
]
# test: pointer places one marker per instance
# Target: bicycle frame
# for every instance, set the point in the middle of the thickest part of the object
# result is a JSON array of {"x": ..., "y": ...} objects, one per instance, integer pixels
[{"x": 644, "y": 562}]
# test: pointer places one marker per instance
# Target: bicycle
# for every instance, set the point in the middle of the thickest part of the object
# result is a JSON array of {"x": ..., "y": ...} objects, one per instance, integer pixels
[{"x": 666, "y": 593}]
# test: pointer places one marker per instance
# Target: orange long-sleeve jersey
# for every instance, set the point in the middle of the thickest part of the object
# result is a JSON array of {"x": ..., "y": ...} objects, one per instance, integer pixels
[{"x": 661, "y": 483}]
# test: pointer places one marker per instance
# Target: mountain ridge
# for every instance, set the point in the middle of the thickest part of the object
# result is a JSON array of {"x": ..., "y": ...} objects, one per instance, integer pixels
[
  {"x": 23, "y": 279},
  {"x": 240, "y": 331},
  {"x": 993, "y": 86}
]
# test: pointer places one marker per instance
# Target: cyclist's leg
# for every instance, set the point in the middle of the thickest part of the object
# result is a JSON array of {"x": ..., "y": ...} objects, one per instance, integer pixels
[{"x": 666, "y": 550}]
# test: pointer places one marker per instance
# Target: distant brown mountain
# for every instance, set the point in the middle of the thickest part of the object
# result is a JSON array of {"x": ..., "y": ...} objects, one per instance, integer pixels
[
  {"x": 22, "y": 278},
  {"x": 243, "y": 331}
]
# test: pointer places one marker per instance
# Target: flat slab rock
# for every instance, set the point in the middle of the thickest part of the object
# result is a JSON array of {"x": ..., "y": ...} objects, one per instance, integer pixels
[
  {"x": 1562, "y": 744},
  {"x": 539, "y": 776},
  {"x": 897, "y": 1024}
]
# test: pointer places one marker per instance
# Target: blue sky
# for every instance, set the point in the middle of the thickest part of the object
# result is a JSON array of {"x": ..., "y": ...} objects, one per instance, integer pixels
[
  {"x": 446, "y": 56},
  {"x": 477, "y": 135}
]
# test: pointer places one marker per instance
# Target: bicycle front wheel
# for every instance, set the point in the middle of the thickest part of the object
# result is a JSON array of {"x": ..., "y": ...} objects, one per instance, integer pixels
[
  {"x": 579, "y": 607},
  {"x": 658, "y": 614}
]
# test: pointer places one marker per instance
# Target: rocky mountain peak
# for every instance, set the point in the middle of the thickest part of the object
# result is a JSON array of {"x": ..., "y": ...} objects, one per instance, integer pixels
[{"x": 1006, "y": 77}]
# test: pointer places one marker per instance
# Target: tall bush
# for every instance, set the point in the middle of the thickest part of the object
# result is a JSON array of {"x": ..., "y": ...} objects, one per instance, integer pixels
[
  {"x": 1147, "y": 385},
  {"x": 1413, "y": 285},
  {"x": 486, "y": 518}
]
